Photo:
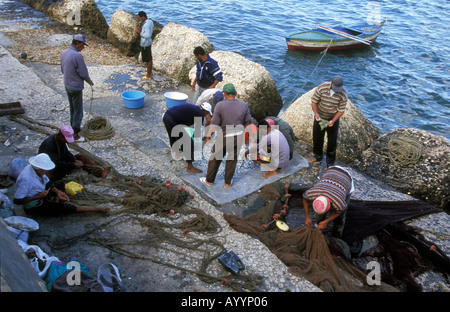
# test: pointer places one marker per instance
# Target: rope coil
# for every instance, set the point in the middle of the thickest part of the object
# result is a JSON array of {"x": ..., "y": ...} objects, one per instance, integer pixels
[
  {"x": 404, "y": 150},
  {"x": 97, "y": 128}
]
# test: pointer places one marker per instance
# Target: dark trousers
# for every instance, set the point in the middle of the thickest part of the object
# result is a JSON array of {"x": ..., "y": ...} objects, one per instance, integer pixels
[
  {"x": 318, "y": 141},
  {"x": 170, "y": 123},
  {"x": 217, "y": 155},
  {"x": 76, "y": 109}
]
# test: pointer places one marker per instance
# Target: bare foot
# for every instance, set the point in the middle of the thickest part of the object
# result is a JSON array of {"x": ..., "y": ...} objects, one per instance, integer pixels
[
  {"x": 192, "y": 169},
  {"x": 313, "y": 160},
  {"x": 106, "y": 171},
  {"x": 269, "y": 174},
  {"x": 104, "y": 210}
]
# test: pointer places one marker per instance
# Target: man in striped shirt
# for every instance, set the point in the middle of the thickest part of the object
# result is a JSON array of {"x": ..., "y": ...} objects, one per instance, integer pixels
[
  {"x": 328, "y": 104},
  {"x": 331, "y": 194}
]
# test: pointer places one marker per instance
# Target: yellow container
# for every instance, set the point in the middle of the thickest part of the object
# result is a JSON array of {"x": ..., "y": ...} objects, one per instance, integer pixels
[{"x": 73, "y": 188}]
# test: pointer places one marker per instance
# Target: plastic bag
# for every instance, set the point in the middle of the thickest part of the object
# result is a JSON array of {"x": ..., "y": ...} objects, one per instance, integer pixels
[{"x": 16, "y": 167}]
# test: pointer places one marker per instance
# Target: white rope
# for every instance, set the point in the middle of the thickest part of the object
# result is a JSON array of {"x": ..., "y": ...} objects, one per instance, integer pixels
[{"x": 323, "y": 54}]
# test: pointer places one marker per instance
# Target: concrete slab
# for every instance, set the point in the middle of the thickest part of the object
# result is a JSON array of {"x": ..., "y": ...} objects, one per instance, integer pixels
[{"x": 247, "y": 181}]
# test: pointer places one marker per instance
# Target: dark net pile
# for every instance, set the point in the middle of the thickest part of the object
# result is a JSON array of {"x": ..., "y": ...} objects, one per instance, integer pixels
[{"x": 318, "y": 258}]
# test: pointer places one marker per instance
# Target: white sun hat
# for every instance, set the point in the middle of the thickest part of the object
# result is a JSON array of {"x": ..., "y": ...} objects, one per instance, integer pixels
[{"x": 42, "y": 161}]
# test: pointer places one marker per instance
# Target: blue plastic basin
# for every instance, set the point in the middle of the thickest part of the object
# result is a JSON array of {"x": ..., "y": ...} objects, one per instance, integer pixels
[
  {"x": 175, "y": 98},
  {"x": 133, "y": 99}
]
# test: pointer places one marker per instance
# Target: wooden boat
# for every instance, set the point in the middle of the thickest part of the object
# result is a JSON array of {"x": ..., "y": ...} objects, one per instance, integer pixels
[{"x": 336, "y": 38}]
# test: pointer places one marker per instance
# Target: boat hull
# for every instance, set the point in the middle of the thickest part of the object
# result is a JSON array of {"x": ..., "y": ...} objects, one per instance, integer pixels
[
  {"x": 339, "y": 38},
  {"x": 322, "y": 45}
]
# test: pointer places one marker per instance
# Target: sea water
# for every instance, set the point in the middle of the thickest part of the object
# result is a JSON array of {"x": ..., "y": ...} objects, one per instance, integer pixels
[{"x": 402, "y": 80}]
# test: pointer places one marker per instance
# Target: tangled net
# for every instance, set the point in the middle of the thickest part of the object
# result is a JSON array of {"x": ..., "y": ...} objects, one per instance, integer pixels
[
  {"x": 156, "y": 205},
  {"x": 98, "y": 128},
  {"x": 404, "y": 151}
]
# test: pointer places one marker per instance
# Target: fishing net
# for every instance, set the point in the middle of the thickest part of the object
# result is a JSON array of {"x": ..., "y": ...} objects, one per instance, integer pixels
[
  {"x": 311, "y": 254},
  {"x": 161, "y": 216}
]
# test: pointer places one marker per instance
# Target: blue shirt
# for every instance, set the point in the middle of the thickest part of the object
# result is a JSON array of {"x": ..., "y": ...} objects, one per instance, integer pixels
[
  {"x": 29, "y": 183},
  {"x": 185, "y": 114},
  {"x": 146, "y": 33},
  {"x": 208, "y": 72},
  {"x": 74, "y": 69}
]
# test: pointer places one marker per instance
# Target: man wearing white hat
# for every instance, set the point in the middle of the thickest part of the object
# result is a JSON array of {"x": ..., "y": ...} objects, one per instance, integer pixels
[
  {"x": 330, "y": 194},
  {"x": 33, "y": 188}
]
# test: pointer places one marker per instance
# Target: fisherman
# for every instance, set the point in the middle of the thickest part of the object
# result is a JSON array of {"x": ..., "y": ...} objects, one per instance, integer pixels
[
  {"x": 208, "y": 73},
  {"x": 75, "y": 74},
  {"x": 212, "y": 96},
  {"x": 146, "y": 32},
  {"x": 55, "y": 146},
  {"x": 184, "y": 115},
  {"x": 35, "y": 190},
  {"x": 328, "y": 104},
  {"x": 331, "y": 194},
  {"x": 273, "y": 150},
  {"x": 287, "y": 131},
  {"x": 231, "y": 117}
]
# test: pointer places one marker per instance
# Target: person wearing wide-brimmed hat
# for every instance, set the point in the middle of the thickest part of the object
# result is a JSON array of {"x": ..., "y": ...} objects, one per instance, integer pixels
[
  {"x": 34, "y": 188},
  {"x": 330, "y": 195},
  {"x": 328, "y": 104}
]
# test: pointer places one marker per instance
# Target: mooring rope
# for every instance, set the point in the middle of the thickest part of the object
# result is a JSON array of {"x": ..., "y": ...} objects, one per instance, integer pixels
[
  {"x": 404, "y": 150},
  {"x": 301, "y": 89},
  {"x": 97, "y": 128}
]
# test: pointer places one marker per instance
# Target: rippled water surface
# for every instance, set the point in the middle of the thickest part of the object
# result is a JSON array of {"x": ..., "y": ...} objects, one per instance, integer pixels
[{"x": 401, "y": 81}]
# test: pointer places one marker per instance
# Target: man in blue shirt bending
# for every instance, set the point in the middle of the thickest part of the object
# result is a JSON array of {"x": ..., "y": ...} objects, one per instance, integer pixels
[
  {"x": 146, "y": 32},
  {"x": 208, "y": 73},
  {"x": 75, "y": 74}
]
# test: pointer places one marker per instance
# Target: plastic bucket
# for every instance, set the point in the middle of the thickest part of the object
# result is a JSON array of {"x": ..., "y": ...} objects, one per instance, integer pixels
[
  {"x": 175, "y": 98},
  {"x": 133, "y": 99}
]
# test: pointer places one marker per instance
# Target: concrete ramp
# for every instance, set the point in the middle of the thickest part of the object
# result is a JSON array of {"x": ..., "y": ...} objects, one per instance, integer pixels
[{"x": 247, "y": 179}]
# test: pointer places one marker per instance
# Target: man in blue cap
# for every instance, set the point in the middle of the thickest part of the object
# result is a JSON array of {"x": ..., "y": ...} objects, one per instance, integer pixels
[{"x": 75, "y": 74}]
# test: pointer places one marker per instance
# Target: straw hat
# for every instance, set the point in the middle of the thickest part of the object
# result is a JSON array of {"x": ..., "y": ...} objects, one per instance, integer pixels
[{"x": 42, "y": 161}]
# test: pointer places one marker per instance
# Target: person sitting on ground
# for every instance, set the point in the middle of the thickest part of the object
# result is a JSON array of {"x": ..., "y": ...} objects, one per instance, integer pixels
[
  {"x": 287, "y": 131},
  {"x": 275, "y": 145},
  {"x": 34, "y": 191},
  {"x": 184, "y": 115},
  {"x": 332, "y": 193},
  {"x": 56, "y": 147}
]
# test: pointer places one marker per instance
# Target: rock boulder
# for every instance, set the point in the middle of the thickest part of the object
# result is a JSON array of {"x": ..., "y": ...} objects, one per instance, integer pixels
[
  {"x": 173, "y": 49},
  {"x": 81, "y": 13},
  {"x": 254, "y": 84},
  {"x": 356, "y": 132},
  {"x": 121, "y": 32},
  {"x": 426, "y": 179}
]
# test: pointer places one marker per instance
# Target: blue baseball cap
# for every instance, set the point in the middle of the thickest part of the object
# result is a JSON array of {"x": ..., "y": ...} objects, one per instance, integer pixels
[{"x": 81, "y": 38}]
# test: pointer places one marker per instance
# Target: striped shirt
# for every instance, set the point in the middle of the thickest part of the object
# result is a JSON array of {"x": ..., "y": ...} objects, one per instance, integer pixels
[
  {"x": 336, "y": 184},
  {"x": 328, "y": 105}
]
